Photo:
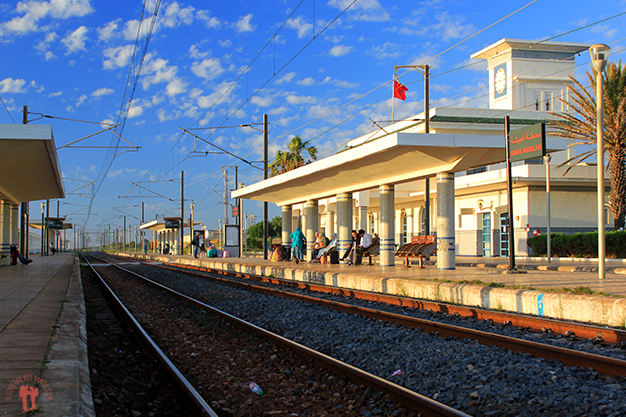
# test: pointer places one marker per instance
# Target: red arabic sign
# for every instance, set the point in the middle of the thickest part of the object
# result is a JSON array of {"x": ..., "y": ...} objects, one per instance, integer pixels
[{"x": 527, "y": 143}]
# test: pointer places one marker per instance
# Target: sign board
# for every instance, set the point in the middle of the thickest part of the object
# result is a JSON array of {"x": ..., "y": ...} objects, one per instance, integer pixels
[
  {"x": 527, "y": 143},
  {"x": 172, "y": 224},
  {"x": 55, "y": 224},
  {"x": 235, "y": 211}
]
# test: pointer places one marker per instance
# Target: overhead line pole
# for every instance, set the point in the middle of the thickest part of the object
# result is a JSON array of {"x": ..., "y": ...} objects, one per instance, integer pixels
[
  {"x": 265, "y": 176},
  {"x": 182, "y": 210}
]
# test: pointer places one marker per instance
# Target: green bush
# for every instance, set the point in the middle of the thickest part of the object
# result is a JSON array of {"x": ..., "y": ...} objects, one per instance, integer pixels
[{"x": 582, "y": 245}]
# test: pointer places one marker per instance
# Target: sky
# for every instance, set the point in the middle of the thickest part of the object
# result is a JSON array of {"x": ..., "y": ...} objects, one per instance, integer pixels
[{"x": 320, "y": 69}]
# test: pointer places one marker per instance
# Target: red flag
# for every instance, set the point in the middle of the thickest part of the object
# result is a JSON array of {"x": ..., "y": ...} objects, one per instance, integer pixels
[{"x": 399, "y": 90}]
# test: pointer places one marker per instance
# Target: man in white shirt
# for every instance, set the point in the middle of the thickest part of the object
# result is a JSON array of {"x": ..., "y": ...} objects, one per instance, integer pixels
[{"x": 366, "y": 240}]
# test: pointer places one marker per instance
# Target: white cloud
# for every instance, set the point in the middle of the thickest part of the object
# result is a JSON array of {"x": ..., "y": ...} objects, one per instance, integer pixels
[
  {"x": 225, "y": 44},
  {"x": 208, "y": 69},
  {"x": 102, "y": 92},
  {"x": 451, "y": 28},
  {"x": 210, "y": 22},
  {"x": 9, "y": 85},
  {"x": 307, "y": 81},
  {"x": 57, "y": 94},
  {"x": 295, "y": 100},
  {"x": 244, "y": 25},
  {"x": 176, "y": 86},
  {"x": 175, "y": 15},
  {"x": 43, "y": 45},
  {"x": 261, "y": 101},
  {"x": 387, "y": 50},
  {"x": 366, "y": 10},
  {"x": 135, "y": 110},
  {"x": 339, "y": 50},
  {"x": 34, "y": 11},
  {"x": 117, "y": 57},
  {"x": 81, "y": 100},
  {"x": 303, "y": 28},
  {"x": 109, "y": 30},
  {"x": 286, "y": 78},
  {"x": 76, "y": 40},
  {"x": 194, "y": 52}
]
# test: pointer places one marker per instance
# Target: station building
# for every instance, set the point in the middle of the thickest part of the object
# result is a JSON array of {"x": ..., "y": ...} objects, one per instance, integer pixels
[
  {"x": 401, "y": 182},
  {"x": 29, "y": 171}
]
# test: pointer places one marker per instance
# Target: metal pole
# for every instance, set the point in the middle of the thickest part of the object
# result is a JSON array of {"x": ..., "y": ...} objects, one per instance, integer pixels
[
  {"x": 182, "y": 210},
  {"x": 43, "y": 208},
  {"x": 47, "y": 231},
  {"x": 600, "y": 157},
  {"x": 124, "y": 238},
  {"x": 427, "y": 130},
  {"x": 549, "y": 238},
  {"x": 143, "y": 232},
  {"x": 509, "y": 187},
  {"x": 265, "y": 176}
]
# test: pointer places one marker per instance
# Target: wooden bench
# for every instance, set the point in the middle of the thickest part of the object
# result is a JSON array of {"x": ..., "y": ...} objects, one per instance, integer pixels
[
  {"x": 372, "y": 251},
  {"x": 421, "y": 247}
]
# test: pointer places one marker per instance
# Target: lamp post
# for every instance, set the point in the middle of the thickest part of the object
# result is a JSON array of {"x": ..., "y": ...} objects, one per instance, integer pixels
[
  {"x": 43, "y": 231},
  {"x": 599, "y": 56}
]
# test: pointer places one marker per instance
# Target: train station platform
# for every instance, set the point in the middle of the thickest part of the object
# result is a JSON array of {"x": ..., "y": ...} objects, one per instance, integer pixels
[
  {"x": 563, "y": 288},
  {"x": 43, "y": 341}
]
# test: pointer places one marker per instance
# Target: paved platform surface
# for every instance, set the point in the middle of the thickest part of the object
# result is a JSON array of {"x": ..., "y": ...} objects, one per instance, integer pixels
[
  {"x": 539, "y": 273},
  {"x": 41, "y": 339}
]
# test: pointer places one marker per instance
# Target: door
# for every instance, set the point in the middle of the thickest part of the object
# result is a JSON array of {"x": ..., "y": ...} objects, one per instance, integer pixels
[
  {"x": 486, "y": 234},
  {"x": 504, "y": 234}
]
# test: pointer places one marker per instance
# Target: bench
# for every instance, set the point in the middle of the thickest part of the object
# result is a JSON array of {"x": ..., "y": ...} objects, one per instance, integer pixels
[
  {"x": 372, "y": 251},
  {"x": 421, "y": 247}
]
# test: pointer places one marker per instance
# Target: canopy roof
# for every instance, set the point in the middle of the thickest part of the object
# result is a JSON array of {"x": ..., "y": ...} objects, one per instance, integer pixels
[
  {"x": 29, "y": 166},
  {"x": 393, "y": 159}
]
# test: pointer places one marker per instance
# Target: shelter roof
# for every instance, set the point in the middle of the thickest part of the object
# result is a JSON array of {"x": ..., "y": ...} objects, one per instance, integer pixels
[
  {"x": 29, "y": 166},
  {"x": 507, "y": 44},
  {"x": 395, "y": 158}
]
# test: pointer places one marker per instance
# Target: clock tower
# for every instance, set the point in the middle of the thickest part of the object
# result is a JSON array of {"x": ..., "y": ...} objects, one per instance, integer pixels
[{"x": 529, "y": 75}]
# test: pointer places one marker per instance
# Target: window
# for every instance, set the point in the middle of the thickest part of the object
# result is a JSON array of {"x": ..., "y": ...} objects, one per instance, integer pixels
[{"x": 544, "y": 100}]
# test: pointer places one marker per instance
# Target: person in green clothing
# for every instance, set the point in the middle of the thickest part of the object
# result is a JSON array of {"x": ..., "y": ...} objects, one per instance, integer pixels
[
  {"x": 297, "y": 243},
  {"x": 212, "y": 251}
]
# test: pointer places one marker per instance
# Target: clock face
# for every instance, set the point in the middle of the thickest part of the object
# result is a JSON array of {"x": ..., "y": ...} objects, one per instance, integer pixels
[{"x": 500, "y": 80}]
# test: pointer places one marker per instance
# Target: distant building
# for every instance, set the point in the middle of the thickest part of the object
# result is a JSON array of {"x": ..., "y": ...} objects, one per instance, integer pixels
[{"x": 526, "y": 81}]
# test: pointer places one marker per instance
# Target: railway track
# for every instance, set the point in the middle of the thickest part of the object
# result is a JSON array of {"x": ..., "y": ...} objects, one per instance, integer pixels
[
  {"x": 411, "y": 400},
  {"x": 602, "y": 364},
  {"x": 478, "y": 380}
]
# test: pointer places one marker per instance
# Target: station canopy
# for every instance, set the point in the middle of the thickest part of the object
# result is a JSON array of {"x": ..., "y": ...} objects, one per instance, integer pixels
[
  {"x": 29, "y": 166},
  {"x": 396, "y": 158}
]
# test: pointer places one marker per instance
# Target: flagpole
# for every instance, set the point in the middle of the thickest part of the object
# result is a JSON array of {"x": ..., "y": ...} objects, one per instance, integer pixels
[{"x": 393, "y": 101}]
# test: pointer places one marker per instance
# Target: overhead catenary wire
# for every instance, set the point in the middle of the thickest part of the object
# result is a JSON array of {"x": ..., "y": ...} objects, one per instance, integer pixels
[{"x": 7, "y": 109}]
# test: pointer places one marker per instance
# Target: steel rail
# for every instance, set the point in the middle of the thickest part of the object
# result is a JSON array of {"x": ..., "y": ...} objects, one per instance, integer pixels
[
  {"x": 569, "y": 357},
  {"x": 585, "y": 331},
  {"x": 196, "y": 400},
  {"x": 420, "y": 403}
]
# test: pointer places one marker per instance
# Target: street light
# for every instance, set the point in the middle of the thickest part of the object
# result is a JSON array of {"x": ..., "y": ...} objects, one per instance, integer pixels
[{"x": 599, "y": 56}]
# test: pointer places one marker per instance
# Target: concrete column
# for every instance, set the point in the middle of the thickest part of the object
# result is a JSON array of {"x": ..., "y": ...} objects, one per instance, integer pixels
[
  {"x": 445, "y": 221},
  {"x": 363, "y": 218},
  {"x": 330, "y": 223},
  {"x": 15, "y": 225},
  {"x": 286, "y": 226},
  {"x": 5, "y": 231},
  {"x": 344, "y": 220},
  {"x": 387, "y": 225},
  {"x": 312, "y": 225}
]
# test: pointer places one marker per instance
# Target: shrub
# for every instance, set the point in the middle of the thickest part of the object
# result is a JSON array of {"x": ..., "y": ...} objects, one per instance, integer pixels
[{"x": 579, "y": 244}]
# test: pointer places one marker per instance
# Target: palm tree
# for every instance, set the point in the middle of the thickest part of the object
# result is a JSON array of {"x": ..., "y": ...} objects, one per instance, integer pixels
[
  {"x": 582, "y": 127},
  {"x": 292, "y": 159}
]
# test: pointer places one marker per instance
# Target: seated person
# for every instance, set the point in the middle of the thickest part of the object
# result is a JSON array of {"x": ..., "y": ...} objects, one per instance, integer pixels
[
  {"x": 212, "y": 252},
  {"x": 366, "y": 240},
  {"x": 16, "y": 252},
  {"x": 320, "y": 242},
  {"x": 356, "y": 241},
  {"x": 332, "y": 245}
]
